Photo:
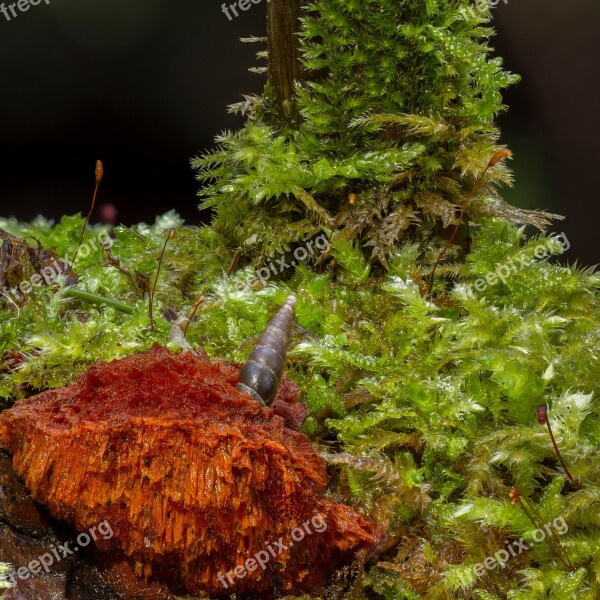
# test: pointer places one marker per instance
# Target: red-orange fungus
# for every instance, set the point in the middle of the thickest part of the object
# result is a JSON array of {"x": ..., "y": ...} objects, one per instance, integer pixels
[{"x": 193, "y": 476}]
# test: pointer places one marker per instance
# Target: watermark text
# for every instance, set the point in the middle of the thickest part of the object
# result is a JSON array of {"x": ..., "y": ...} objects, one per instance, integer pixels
[{"x": 275, "y": 549}]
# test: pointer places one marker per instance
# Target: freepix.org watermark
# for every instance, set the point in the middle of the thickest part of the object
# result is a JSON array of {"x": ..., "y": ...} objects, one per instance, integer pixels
[
  {"x": 301, "y": 253},
  {"x": 513, "y": 549},
  {"x": 21, "y": 5},
  {"x": 48, "y": 275},
  {"x": 241, "y": 4},
  {"x": 263, "y": 557},
  {"x": 57, "y": 553},
  {"x": 503, "y": 271}
]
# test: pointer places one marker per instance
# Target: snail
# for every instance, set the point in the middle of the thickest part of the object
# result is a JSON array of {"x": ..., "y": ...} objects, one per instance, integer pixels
[{"x": 261, "y": 374}]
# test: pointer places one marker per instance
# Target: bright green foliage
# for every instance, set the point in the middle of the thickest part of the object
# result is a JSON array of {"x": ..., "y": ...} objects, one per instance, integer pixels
[
  {"x": 433, "y": 407},
  {"x": 423, "y": 405},
  {"x": 60, "y": 337},
  {"x": 398, "y": 108}
]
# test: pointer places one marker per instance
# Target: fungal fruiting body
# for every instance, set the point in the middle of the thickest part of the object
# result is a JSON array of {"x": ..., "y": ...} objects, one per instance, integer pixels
[{"x": 194, "y": 476}]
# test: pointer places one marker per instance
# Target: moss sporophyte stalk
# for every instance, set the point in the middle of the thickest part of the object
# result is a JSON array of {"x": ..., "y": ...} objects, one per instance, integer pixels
[{"x": 418, "y": 355}]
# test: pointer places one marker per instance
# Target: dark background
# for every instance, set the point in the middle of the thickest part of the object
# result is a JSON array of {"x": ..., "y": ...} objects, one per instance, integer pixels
[{"x": 144, "y": 85}]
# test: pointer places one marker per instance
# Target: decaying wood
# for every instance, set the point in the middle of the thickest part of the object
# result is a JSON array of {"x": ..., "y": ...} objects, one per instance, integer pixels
[{"x": 193, "y": 476}]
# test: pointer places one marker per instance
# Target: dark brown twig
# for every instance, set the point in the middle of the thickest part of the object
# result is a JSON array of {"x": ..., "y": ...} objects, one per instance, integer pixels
[{"x": 234, "y": 262}]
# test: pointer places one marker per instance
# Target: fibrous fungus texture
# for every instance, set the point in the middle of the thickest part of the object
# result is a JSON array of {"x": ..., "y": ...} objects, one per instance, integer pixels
[{"x": 193, "y": 476}]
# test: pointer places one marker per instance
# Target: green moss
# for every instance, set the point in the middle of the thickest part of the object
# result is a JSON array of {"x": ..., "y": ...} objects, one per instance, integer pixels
[
  {"x": 433, "y": 407},
  {"x": 397, "y": 108},
  {"x": 425, "y": 405}
]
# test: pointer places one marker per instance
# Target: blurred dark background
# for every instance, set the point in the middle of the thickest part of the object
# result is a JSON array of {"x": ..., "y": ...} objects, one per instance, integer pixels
[{"x": 144, "y": 85}]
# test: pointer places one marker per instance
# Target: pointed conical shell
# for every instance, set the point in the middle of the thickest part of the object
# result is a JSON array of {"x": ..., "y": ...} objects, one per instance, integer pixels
[{"x": 260, "y": 375}]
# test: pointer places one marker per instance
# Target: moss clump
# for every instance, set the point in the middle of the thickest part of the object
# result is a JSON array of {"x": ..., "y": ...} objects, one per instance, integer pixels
[
  {"x": 425, "y": 405},
  {"x": 397, "y": 109}
]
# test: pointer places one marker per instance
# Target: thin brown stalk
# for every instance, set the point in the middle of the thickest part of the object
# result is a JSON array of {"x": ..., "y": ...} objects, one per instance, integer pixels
[
  {"x": 170, "y": 236},
  {"x": 542, "y": 413},
  {"x": 560, "y": 458},
  {"x": 555, "y": 546},
  {"x": 193, "y": 313},
  {"x": 99, "y": 172}
]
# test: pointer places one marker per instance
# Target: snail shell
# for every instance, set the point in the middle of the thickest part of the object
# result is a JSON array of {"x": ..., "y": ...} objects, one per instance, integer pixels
[{"x": 260, "y": 375}]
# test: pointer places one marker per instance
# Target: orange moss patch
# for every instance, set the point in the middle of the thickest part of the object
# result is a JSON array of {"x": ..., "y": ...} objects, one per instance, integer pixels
[{"x": 193, "y": 476}]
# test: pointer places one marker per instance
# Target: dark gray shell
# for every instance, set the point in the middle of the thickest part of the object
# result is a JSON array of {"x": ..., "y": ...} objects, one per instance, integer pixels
[{"x": 262, "y": 372}]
